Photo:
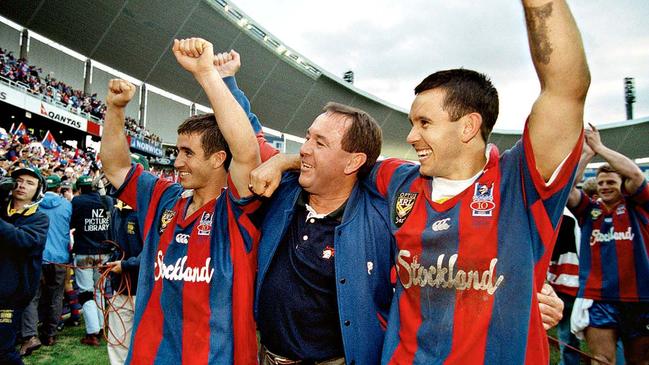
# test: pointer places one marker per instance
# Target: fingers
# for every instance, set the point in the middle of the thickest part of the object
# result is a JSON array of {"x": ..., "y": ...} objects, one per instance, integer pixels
[{"x": 191, "y": 47}]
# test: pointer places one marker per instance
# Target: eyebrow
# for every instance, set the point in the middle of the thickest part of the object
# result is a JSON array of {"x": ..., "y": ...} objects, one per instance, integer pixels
[{"x": 186, "y": 149}]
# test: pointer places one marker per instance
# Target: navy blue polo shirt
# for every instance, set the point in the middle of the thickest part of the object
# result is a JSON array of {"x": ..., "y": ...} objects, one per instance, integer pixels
[{"x": 298, "y": 309}]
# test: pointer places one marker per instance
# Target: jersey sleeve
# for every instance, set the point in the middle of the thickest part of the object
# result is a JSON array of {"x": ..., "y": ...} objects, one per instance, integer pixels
[
  {"x": 143, "y": 191},
  {"x": 266, "y": 150},
  {"x": 581, "y": 210},
  {"x": 385, "y": 174},
  {"x": 641, "y": 197},
  {"x": 543, "y": 200}
]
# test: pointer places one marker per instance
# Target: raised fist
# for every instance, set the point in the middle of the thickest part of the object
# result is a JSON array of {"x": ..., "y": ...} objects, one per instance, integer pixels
[
  {"x": 120, "y": 93},
  {"x": 194, "y": 55},
  {"x": 227, "y": 63}
]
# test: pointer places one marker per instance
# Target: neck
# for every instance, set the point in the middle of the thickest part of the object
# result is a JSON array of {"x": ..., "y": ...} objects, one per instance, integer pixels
[
  {"x": 327, "y": 203},
  {"x": 19, "y": 204},
  {"x": 469, "y": 164},
  {"x": 205, "y": 194}
]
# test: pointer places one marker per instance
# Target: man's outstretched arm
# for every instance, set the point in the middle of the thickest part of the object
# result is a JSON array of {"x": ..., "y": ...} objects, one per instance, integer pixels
[
  {"x": 114, "y": 152},
  {"x": 197, "y": 56},
  {"x": 556, "y": 119},
  {"x": 631, "y": 173}
]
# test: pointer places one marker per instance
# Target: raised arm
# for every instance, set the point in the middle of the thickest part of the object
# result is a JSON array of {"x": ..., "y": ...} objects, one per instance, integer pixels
[
  {"x": 630, "y": 172},
  {"x": 114, "y": 152},
  {"x": 197, "y": 56},
  {"x": 556, "y": 119}
]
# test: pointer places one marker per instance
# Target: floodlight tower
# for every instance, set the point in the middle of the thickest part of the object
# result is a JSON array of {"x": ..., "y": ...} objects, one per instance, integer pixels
[{"x": 629, "y": 96}]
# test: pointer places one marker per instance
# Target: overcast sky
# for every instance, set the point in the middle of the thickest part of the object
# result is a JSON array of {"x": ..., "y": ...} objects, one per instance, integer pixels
[{"x": 392, "y": 45}]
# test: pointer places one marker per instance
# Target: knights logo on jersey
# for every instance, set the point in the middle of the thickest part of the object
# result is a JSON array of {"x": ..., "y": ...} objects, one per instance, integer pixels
[
  {"x": 483, "y": 200},
  {"x": 403, "y": 207},
  {"x": 166, "y": 218},
  {"x": 595, "y": 213},
  {"x": 205, "y": 224}
]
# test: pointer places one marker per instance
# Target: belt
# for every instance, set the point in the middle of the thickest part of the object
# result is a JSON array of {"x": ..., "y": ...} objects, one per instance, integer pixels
[{"x": 274, "y": 359}]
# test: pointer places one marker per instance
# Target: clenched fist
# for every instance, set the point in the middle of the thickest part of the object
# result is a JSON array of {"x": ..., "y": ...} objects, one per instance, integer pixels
[
  {"x": 120, "y": 93},
  {"x": 195, "y": 55},
  {"x": 227, "y": 63}
]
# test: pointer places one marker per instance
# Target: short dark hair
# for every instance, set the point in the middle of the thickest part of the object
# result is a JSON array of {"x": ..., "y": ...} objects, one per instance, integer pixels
[
  {"x": 363, "y": 135},
  {"x": 467, "y": 91},
  {"x": 606, "y": 168},
  {"x": 212, "y": 140}
]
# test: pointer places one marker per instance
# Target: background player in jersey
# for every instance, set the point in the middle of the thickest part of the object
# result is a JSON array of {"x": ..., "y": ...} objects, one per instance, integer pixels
[
  {"x": 613, "y": 261},
  {"x": 197, "y": 266}
]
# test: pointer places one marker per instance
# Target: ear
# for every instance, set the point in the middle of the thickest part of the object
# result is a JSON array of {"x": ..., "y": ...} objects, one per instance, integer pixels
[
  {"x": 471, "y": 124},
  {"x": 217, "y": 159},
  {"x": 355, "y": 162}
]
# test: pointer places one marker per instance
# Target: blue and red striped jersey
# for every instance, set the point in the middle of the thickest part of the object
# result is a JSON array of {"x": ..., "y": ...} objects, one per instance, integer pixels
[
  {"x": 195, "y": 290},
  {"x": 469, "y": 268},
  {"x": 613, "y": 260}
]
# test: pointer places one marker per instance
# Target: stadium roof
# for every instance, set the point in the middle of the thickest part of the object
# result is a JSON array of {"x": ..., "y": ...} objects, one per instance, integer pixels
[{"x": 287, "y": 91}]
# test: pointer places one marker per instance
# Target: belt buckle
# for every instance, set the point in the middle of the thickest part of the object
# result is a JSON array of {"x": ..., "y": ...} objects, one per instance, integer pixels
[{"x": 279, "y": 360}]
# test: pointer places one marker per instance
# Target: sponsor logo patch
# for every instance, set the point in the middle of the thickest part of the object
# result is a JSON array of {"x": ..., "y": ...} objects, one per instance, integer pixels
[
  {"x": 483, "y": 200},
  {"x": 620, "y": 210},
  {"x": 182, "y": 238},
  {"x": 442, "y": 225},
  {"x": 403, "y": 207}
]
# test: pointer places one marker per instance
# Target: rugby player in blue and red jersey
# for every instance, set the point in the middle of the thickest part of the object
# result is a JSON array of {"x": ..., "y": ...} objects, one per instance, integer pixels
[
  {"x": 475, "y": 228},
  {"x": 613, "y": 260},
  {"x": 198, "y": 262}
]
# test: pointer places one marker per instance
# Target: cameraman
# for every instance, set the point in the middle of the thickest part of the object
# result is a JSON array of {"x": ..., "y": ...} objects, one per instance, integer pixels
[{"x": 23, "y": 230}]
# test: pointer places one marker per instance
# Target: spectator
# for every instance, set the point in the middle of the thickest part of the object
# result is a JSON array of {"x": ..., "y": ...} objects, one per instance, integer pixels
[
  {"x": 50, "y": 294},
  {"x": 91, "y": 222},
  {"x": 23, "y": 230}
]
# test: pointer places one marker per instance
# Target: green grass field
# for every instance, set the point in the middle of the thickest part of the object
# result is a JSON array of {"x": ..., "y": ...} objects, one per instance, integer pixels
[{"x": 69, "y": 351}]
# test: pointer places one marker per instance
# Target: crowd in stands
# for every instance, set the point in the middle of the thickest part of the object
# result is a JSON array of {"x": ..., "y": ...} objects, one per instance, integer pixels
[{"x": 18, "y": 70}]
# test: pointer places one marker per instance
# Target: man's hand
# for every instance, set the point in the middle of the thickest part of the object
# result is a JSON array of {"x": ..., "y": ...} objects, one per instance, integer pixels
[
  {"x": 265, "y": 179},
  {"x": 550, "y": 306},
  {"x": 593, "y": 139},
  {"x": 120, "y": 93},
  {"x": 115, "y": 266},
  {"x": 195, "y": 55},
  {"x": 227, "y": 63}
]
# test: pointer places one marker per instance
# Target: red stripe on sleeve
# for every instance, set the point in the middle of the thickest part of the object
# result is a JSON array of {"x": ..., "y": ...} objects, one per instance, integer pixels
[
  {"x": 562, "y": 178},
  {"x": 129, "y": 191},
  {"x": 160, "y": 186},
  {"x": 266, "y": 150},
  {"x": 384, "y": 175}
]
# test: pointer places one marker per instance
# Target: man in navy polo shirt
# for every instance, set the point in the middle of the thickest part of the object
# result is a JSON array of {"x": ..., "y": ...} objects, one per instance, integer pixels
[{"x": 91, "y": 222}]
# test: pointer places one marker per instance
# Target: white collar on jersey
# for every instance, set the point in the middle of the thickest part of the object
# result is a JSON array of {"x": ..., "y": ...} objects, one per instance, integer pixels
[{"x": 444, "y": 189}]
